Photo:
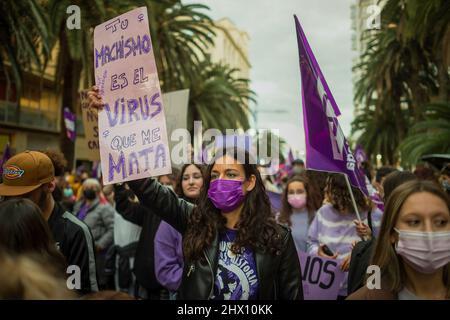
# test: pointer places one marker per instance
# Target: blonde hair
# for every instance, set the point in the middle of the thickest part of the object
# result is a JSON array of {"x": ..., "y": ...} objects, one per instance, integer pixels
[
  {"x": 391, "y": 265},
  {"x": 23, "y": 278},
  {"x": 92, "y": 182}
]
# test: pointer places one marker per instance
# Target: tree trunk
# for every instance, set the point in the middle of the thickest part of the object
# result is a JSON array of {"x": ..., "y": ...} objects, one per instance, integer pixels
[{"x": 72, "y": 72}]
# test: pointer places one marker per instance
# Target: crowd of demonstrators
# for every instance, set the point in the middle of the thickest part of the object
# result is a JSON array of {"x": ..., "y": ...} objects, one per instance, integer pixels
[
  {"x": 130, "y": 208},
  {"x": 120, "y": 257},
  {"x": 212, "y": 233},
  {"x": 98, "y": 215},
  {"x": 168, "y": 241},
  {"x": 300, "y": 201},
  {"x": 335, "y": 227},
  {"x": 412, "y": 250},
  {"x": 380, "y": 175},
  {"x": 31, "y": 175}
]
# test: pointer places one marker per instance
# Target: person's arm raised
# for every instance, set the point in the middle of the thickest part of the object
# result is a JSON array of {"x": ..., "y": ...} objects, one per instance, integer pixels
[{"x": 163, "y": 202}]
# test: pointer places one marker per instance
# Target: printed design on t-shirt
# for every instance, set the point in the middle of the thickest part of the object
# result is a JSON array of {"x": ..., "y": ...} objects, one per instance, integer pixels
[{"x": 236, "y": 275}]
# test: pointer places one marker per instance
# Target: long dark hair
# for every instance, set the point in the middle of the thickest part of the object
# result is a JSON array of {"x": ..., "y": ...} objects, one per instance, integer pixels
[
  {"x": 23, "y": 230},
  {"x": 179, "y": 187},
  {"x": 256, "y": 228},
  {"x": 340, "y": 196},
  {"x": 313, "y": 200}
]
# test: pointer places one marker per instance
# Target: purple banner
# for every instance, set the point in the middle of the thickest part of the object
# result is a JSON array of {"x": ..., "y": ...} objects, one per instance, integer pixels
[
  {"x": 327, "y": 148},
  {"x": 321, "y": 277},
  {"x": 5, "y": 157},
  {"x": 69, "y": 121}
]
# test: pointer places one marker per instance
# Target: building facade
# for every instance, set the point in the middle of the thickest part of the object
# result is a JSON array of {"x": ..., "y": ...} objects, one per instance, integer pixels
[{"x": 231, "y": 47}]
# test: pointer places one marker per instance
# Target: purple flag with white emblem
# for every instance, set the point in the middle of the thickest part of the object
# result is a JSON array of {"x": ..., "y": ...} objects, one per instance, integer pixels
[
  {"x": 69, "y": 121},
  {"x": 327, "y": 148}
]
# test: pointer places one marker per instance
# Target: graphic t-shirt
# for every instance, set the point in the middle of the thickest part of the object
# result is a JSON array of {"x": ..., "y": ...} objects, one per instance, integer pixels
[{"x": 236, "y": 277}]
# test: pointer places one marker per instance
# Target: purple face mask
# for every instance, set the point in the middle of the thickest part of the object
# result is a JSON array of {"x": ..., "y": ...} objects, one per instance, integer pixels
[{"x": 226, "y": 195}]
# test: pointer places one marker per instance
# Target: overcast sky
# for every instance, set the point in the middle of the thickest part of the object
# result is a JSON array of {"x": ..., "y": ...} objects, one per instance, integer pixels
[{"x": 275, "y": 74}]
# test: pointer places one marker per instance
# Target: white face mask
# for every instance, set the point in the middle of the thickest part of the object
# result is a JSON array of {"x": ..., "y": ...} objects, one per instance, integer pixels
[{"x": 426, "y": 252}]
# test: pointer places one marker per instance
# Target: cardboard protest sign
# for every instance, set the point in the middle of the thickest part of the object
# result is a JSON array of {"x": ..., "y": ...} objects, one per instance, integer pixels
[
  {"x": 132, "y": 127},
  {"x": 176, "y": 111},
  {"x": 90, "y": 124},
  {"x": 321, "y": 277}
]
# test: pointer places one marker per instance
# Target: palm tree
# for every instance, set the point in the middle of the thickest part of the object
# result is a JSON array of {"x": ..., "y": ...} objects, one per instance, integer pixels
[
  {"x": 180, "y": 33},
  {"x": 218, "y": 98},
  {"x": 432, "y": 135},
  {"x": 23, "y": 24},
  {"x": 74, "y": 61},
  {"x": 399, "y": 72}
]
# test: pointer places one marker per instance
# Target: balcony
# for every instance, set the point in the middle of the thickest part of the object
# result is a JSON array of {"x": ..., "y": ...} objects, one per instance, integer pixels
[{"x": 29, "y": 118}]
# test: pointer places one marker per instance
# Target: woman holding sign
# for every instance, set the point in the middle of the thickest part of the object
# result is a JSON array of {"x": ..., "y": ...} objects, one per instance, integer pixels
[
  {"x": 413, "y": 248},
  {"x": 335, "y": 227},
  {"x": 233, "y": 249}
]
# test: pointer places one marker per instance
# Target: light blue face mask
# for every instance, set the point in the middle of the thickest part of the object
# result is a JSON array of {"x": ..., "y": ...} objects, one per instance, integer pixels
[{"x": 68, "y": 192}]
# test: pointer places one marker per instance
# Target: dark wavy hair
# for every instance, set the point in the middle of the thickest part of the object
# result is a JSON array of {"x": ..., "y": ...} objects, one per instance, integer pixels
[
  {"x": 179, "y": 188},
  {"x": 256, "y": 228},
  {"x": 340, "y": 197},
  {"x": 23, "y": 230},
  {"x": 313, "y": 200}
]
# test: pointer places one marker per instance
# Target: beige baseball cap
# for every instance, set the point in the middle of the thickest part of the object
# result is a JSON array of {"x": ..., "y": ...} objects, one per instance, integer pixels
[{"x": 26, "y": 172}]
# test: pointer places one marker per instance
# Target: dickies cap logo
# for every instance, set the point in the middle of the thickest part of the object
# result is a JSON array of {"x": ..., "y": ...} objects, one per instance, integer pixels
[{"x": 12, "y": 172}]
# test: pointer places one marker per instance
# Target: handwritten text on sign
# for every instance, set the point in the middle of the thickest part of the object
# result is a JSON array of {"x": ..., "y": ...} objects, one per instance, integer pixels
[
  {"x": 321, "y": 277},
  {"x": 132, "y": 127},
  {"x": 90, "y": 124}
]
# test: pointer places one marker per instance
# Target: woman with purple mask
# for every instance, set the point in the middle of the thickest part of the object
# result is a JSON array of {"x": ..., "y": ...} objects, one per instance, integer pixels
[
  {"x": 299, "y": 205},
  {"x": 233, "y": 249}
]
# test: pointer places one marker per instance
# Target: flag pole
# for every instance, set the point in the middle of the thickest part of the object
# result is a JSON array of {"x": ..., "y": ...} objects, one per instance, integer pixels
[
  {"x": 355, "y": 207},
  {"x": 353, "y": 198}
]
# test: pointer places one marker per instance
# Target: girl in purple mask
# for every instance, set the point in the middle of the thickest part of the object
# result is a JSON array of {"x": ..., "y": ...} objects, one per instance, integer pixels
[
  {"x": 300, "y": 201},
  {"x": 413, "y": 248},
  {"x": 233, "y": 249}
]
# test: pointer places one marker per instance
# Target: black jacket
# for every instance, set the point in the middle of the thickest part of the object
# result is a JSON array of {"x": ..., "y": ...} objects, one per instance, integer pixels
[
  {"x": 75, "y": 241},
  {"x": 144, "y": 263},
  {"x": 360, "y": 261},
  {"x": 279, "y": 276}
]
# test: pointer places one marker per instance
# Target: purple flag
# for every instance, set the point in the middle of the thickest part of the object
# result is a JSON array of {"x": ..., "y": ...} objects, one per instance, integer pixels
[
  {"x": 360, "y": 155},
  {"x": 96, "y": 170},
  {"x": 327, "y": 148},
  {"x": 69, "y": 121},
  {"x": 5, "y": 157}
]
